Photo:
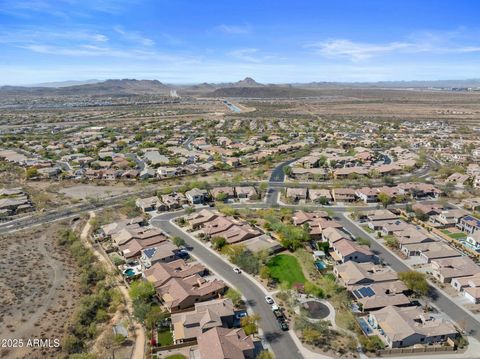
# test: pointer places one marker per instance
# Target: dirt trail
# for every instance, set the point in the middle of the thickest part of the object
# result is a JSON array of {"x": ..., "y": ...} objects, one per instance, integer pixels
[{"x": 139, "y": 350}]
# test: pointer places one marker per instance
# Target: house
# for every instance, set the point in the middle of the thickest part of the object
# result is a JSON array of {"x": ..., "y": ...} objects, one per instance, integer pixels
[
  {"x": 225, "y": 193},
  {"x": 332, "y": 235},
  {"x": 133, "y": 248},
  {"x": 469, "y": 224},
  {"x": 128, "y": 233},
  {"x": 378, "y": 215},
  {"x": 188, "y": 326},
  {"x": 164, "y": 252},
  {"x": 447, "y": 269},
  {"x": 320, "y": 195},
  {"x": 346, "y": 250},
  {"x": 377, "y": 295},
  {"x": 196, "y": 196},
  {"x": 217, "y": 225},
  {"x": 367, "y": 194},
  {"x": 160, "y": 273},
  {"x": 389, "y": 227},
  {"x": 300, "y": 217},
  {"x": 344, "y": 195},
  {"x": 436, "y": 250},
  {"x": 246, "y": 192},
  {"x": 458, "y": 179},
  {"x": 419, "y": 190},
  {"x": 472, "y": 294},
  {"x": 473, "y": 241},
  {"x": 182, "y": 293},
  {"x": 107, "y": 230},
  {"x": 148, "y": 204},
  {"x": 147, "y": 172},
  {"x": 297, "y": 194},
  {"x": 346, "y": 172},
  {"x": 173, "y": 200},
  {"x": 406, "y": 326},
  {"x": 164, "y": 171},
  {"x": 154, "y": 158},
  {"x": 461, "y": 283},
  {"x": 431, "y": 209},
  {"x": 197, "y": 220},
  {"x": 352, "y": 273},
  {"x": 238, "y": 233},
  {"x": 413, "y": 235},
  {"x": 223, "y": 343},
  {"x": 448, "y": 218}
]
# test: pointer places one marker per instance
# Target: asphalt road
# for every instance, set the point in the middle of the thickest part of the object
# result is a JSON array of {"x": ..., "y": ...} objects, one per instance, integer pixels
[
  {"x": 64, "y": 213},
  {"x": 281, "y": 342},
  {"x": 440, "y": 300},
  {"x": 275, "y": 183}
]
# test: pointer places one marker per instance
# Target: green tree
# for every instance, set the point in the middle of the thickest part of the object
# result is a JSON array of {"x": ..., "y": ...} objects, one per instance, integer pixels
[
  {"x": 218, "y": 243},
  {"x": 31, "y": 172},
  {"x": 234, "y": 296},
  {"x": 264, "y": 272},
  {"x": 265, "y": 354},
  {"x": 250, "y": 323},
  {"x": 415, "y": 281},
  {"x": 385, "y": 199},
  {"x": 221, "y": 197},
  {"x": 141, "y": 290},
  {"x": 154, "y": 316},
  {"x": 179, "y": 242}
]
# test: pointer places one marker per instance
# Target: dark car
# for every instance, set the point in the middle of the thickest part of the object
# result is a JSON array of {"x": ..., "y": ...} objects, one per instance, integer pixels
[
  {"x": 278, "y": 314},
  {"x": 283, "y": 324}
]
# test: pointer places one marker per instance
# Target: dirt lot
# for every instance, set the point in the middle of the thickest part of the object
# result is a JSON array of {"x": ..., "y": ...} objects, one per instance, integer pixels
[{"x": 39, "y": 290}]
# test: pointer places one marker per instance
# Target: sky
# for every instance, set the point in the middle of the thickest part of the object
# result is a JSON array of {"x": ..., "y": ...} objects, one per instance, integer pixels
[{"x": 273, "y": 41}]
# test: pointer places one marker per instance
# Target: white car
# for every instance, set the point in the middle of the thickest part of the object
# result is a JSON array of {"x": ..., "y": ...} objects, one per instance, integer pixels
[
  {"x": 269, "y": 300},
  {"x": 237, "y": 270}
]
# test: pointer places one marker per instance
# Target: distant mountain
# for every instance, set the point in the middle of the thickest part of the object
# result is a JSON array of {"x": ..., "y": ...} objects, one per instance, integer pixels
[
  {"x": 469, "y": 83},
  {"x": 247, "y": 87},
  {"x": 105, "y": 88},
  {"x": 65, "y": 83},
  {"x": 270, "y": 91},
  {"x": 246, "y": 82}
]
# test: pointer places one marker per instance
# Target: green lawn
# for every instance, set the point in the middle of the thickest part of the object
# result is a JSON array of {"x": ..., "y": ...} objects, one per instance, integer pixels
[
  {"x": 165, "y": 338},
  {"x": 367, "y": 229},
  {"x": 175, "y": 356},
  {"x": 459, "y": 235},
  {"x": 285, "y": 268}
]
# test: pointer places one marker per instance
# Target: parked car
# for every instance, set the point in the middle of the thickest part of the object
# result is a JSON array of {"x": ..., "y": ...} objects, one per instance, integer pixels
[
  {"x": 278, "y": 314},
  {"x": 283, "y": 324},
  {"x": 269, "y": 300},
  {"x": 241, "y": 315},
  {"x": 237, "y": 270}
]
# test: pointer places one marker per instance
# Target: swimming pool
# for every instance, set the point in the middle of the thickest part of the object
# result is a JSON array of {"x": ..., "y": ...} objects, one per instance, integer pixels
[
  {"x": 320, "y": 265},
  {"x": 129, "y": 272},
  {"x": 365, "y": 326}
]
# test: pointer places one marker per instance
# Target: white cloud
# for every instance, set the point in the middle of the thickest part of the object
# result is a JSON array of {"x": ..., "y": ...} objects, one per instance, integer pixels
[
  {"x": 420, "y": 43},
  {"x": 356, "y": 50},
  {"x": 134, "y": 36},
  {"x": 233, "y": 29}
]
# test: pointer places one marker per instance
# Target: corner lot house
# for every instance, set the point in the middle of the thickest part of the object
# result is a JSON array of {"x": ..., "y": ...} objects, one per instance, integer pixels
[
  {"x": 196, "y": 196},
  {"x": 449, "y": 268},
  {"x": 188, "y": 326},
  {"x": 221, "y": 343},
  {"x": 407, "y": 326}
]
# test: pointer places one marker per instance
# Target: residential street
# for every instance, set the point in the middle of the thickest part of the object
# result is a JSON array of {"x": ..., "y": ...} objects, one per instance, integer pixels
[
  {"x": 443, "y": 302},
  {"x": 281, "y": 342}
]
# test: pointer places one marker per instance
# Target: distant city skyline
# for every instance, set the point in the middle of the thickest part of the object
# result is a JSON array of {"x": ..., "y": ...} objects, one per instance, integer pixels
[{"x": 217, "y": 41}]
